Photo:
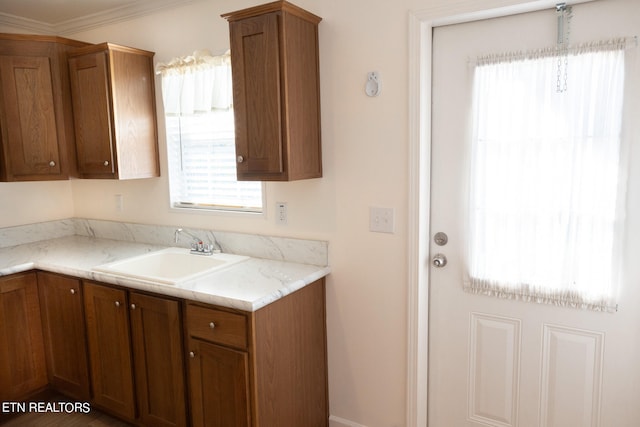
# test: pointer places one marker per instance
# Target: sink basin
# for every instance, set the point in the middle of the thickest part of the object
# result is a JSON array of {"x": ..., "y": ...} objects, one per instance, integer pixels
[{"x": 170, "y": 266}]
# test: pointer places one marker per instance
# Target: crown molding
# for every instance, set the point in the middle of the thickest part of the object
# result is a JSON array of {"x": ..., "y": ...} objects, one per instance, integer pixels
[
  {"x": 29, "y": 25},
  {"x": 95, "y": 20}
]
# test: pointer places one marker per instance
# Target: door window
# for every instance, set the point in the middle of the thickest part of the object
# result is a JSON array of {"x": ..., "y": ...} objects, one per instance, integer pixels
[{"x": 547, "y": 181}]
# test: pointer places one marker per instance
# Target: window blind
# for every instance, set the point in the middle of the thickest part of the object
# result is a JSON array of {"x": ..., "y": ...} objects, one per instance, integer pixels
[{"x": 202, "y": 164}]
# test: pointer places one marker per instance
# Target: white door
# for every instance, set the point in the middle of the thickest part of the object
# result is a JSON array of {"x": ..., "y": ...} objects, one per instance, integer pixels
[{"x": 500, "y": 362}]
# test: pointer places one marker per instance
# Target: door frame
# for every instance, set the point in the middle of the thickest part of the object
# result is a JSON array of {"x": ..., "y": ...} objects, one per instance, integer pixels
[{"x": 421, "y": 25}]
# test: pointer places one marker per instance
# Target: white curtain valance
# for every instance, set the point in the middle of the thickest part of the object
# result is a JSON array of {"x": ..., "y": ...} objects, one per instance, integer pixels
[
  {"x": 196, "y": 84},
  {"x": 555, "y": 51}
]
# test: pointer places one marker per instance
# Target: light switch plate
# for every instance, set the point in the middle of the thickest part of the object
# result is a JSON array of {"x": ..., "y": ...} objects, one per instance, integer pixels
[{"x": 381, "y": 220}]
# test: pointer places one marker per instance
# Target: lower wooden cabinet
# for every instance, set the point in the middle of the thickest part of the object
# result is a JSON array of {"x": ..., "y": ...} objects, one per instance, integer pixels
[
  {"x": 136, "y": 334},
  {"x": 239, "y": 369},
  {"x": 62, "y": 311},
  {"x": 23, "y": 368},
  {"x": 109, "y": 339},
  {"x": 158, "y": 360},
  {"x": 289, "y": 363},
  {"x": 260, "y": 369},
  {"x": 219, "y": 379}
]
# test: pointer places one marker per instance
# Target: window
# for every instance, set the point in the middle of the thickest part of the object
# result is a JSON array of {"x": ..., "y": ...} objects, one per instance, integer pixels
[
  {"x": 200, "y": 136},
  {"x": 547, "y": 180}
]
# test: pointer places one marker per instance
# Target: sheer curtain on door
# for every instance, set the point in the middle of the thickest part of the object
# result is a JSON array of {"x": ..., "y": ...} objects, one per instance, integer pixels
[{"x": 548, "y": 177}]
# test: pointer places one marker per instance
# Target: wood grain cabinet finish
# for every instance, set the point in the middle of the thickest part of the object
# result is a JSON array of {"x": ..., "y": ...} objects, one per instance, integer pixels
[
  {"x": 276, "y": 92},
  {"x": 219, "y": 381},
  {"x": 62, "y": 311},
  {"x": 36, "y": 122},
  {"x": 218, "y": 366},
  {"x": 136, "y": 338},
  {"x": 158, "y": 360},
  {"x": 260, "y": 369},
  {"x": 109, "y": 337},
  {"x": 113, "y": 96},
  {"x": 22, "y": 360},
  {"x": 245, "y": 369}
]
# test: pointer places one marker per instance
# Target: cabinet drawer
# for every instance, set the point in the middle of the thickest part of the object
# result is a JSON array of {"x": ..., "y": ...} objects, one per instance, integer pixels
[{"x": 217, "y": 326}]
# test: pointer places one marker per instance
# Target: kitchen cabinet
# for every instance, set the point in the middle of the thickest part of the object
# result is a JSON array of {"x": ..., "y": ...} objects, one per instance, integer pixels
[
  {"x": 23, "y": 370},
  {"x": 36, "y": 122},
  {"x": 109, "y": 337},
  {"x": 276, "y": 92},
  {"x": 245, "y": 369},
  {"x": 113, "y": 96},
  {"x": 62, "y": 312},
  {"x": 136, "y": 339},
  {"x": 156, "y": 329},
  {"x": 218, "y": 368},
  {"x": 260, "y": 369}
]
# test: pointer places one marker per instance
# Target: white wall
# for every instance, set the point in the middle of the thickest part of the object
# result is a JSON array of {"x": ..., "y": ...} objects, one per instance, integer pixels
[
  {"x": 29, "y": 202},
  {"x": 365, "y": 155}
]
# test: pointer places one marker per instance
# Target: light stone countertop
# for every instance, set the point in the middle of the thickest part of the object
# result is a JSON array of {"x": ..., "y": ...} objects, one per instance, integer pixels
[{"x": 248, "y": 285}]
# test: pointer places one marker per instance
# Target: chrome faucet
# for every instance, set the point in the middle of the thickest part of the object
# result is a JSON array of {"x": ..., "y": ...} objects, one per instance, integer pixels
[{"x": 198, "y": 246}]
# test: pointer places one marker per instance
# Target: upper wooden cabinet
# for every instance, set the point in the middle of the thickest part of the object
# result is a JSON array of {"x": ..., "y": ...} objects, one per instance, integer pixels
[
  {"x": 36, "y": 125},
  {"x": 114, "y": 112},
  {"x": 276, "y": 92}
]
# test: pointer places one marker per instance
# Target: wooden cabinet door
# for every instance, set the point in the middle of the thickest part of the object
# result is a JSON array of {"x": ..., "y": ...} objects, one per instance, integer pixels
[
  {"x": 107, "y": 319},
  {"x": 113, "y": 94},
  {"x": 22, "y": 362},
  {"x": 219, "y": 385},
  {"x": 276, "y": 92},
  {"x": 92, "y": 114},
  {"x": 134, "y": 113},
  {"x": 62, "y": 311},
  {"x": 159, "y": 360},
  {"x": 256, "y": 95},
  {"x": 28, "y": 118}
]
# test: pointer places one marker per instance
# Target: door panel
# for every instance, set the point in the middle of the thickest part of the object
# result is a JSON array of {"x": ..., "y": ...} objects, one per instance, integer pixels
[
  {"x": 92, "y": 113},
  {"x": 31, "y": 132},
  {"x": 159, "y": 363},
  {"x": 219, "y": 385},
  {"x": 61, "y": 307},
  {"x": 500, "y": 362},
  {"x": 109, "y": 340},
  {"x": 23, "y": 369}
]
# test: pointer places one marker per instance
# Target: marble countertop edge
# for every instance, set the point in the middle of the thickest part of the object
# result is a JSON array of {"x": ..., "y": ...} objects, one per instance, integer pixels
[{"x": 248, "y": 286}]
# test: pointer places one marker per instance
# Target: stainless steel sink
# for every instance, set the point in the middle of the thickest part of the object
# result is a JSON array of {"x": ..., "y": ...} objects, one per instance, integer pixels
[{"x": 170, "y": 266}]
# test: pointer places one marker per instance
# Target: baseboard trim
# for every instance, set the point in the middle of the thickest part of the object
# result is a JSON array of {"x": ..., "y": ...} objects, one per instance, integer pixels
[{"x": 341, "y": 422}]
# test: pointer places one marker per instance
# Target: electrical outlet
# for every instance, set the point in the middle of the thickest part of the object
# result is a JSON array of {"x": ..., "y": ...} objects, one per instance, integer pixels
[
  {"x": 119, "y": 203},
  {"x": 281, "y": 213},
  {"x": 381, "y": 220}
]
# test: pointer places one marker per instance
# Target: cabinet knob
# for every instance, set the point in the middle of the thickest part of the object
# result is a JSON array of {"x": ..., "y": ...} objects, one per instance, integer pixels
[
  {"x": 212, "y": 325},
  {"x": 106, "y": 163},
  {"x": 52, "y": 163},
  {"x": 240, "y": 159},
  {"x": 133, "y": 306},
  {"x": 73, "y": 291},
  {"x": 192, "y": 354},
  {"x": 117, "y": 303}
]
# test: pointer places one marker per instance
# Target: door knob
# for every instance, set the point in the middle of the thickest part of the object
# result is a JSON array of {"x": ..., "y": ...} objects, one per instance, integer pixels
[{"x": 439, "y": 260}]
